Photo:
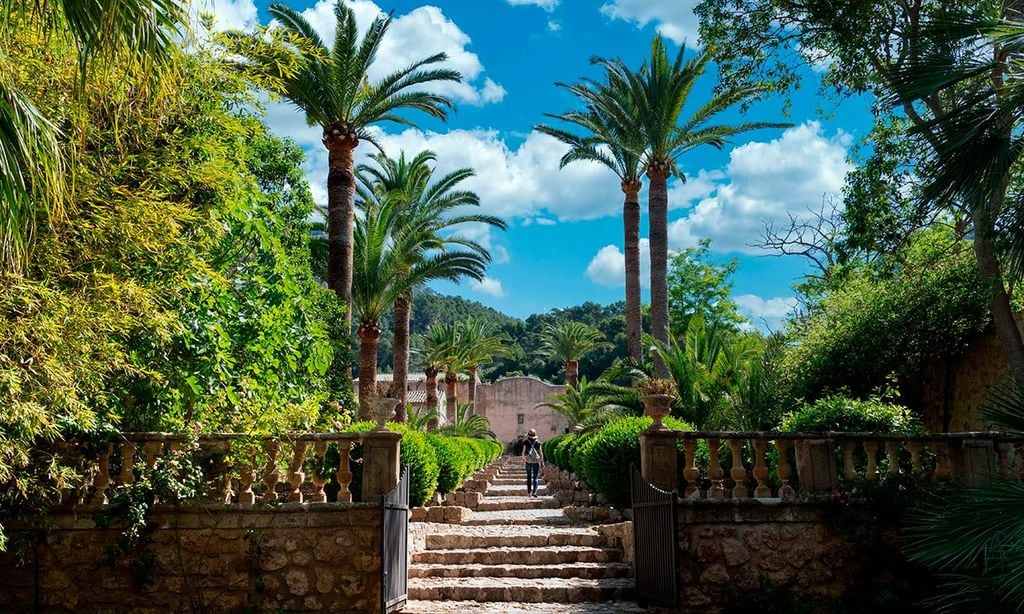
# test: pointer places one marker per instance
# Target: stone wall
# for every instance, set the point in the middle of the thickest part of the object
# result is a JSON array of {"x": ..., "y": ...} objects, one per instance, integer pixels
[
  {"x": 951, "y": 392},
  {"x": 737, "y": 550},
  {"x": 289, "y": 558},
  {"x": 504, "y": 400}
]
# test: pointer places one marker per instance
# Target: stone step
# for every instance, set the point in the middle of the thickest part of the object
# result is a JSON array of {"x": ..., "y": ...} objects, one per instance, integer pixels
[
  {"x": 505, "y": 536},
  {"x": 589, "y": 571},
  {"x": 546, "y": 516},
  {"x": 496, "y": 504},
  {"x": 513, "y": 490},
  {"x": 474, "y": 607},
  {"x": 512, "y": 481},
  {"x": 547, "y": 555},
  {"x": 520, "y": 590}
]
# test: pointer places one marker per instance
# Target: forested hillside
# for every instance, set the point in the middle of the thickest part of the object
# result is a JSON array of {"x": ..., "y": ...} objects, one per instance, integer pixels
[{"x": 430, "y": 307}]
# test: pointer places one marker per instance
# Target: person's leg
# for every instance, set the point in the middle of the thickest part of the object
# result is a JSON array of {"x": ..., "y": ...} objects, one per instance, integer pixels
[
  {"x": 532, "y": 472},
  {"x": 528, "y": 470}
]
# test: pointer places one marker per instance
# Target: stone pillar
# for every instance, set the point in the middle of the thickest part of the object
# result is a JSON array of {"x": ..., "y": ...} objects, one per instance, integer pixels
[
  {"x": 658, "y": 461},
  {"x": 816, "y": 466},
  {"x": 381, "y": 453}
]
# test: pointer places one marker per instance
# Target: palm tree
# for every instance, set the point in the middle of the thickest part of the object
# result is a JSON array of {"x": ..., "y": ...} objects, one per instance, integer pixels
[
  {"x": 427, "y": 204},
  {"x": 607, "y": 140},
  {"x": 965, "y": 98},
  {"x": 32, "y": 163},
  {"x": 480, "y": 345},
  {"x": 568, "y": 342},
  {"x": 442, "y": 352},
  {"x": 588, "y": 405},
  {"x": 468, "y": 424},
  {"x": 332, "y": 87},
  {"x": 381, "y": 276},
  {"x": 658, "y": 92}
]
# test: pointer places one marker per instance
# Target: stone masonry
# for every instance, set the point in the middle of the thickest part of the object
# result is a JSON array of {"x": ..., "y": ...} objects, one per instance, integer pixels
[{"x": 290, "y": 558}]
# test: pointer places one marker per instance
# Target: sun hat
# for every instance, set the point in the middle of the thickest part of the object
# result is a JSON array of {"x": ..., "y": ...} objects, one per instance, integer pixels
[{"x": 531, "y": 433}]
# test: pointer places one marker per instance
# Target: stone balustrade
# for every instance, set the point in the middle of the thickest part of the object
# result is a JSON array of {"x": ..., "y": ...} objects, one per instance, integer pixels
[
  {"x": 767, "y": 465},
  {"x": 236, "y": 469}
]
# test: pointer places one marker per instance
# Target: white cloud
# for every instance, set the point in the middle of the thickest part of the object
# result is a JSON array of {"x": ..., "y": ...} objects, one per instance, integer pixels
[
  {"x": 488, "y": 285},
  {"x": 522, "y": 182},
  {"x": 766, "y": 182},
  {"x": 227, "y": 14},
  {"x": 682, "y": 194},
  {"x": 420, "y": 33},
  {"x": 554, "y": 26},
  {"x": 608, "y": 267},
  {"x": 674, "y": 19},
  {"x": 767, "y": 313},
  {"x": 547, "y": 5},
  {"x": 544, "y": 221}
]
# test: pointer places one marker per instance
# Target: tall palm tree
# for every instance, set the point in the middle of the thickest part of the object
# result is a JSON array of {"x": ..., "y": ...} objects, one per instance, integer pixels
[
  {"x": 659, "y": 91},
  {"x": 381, "y": 276},
  {"x": 568, "y": 342},
  {"x": 614, "y": 143},
  {"x": 442, "y": 351},
  {"x": 331, "y": 85},
  {"x": 32, "y": 163},
  {"x": 480, "y": 345},
  {"x": 436, "y": 206}
]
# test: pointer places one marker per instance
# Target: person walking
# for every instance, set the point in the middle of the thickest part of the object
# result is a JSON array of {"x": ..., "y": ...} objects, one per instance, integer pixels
[{"x": 533, "y": 458}]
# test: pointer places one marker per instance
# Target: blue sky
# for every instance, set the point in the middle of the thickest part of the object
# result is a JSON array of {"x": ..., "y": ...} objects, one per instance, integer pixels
[{"x": 563, "y": 246}]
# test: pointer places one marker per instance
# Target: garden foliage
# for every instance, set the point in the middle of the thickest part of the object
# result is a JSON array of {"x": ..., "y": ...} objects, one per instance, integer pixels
[{"x": 845, "y": 415}]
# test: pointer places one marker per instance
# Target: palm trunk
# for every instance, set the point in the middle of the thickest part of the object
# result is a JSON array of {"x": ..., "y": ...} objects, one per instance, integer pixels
[
  {"x": 431, "y": 383},
  {"x": 572, "y": 373},
  {"x": 1002, "y": 312},
  {"x": 451, "y": 391},
  {"x": 369, "y": 333},
  {"x": 657, "y": 207},
  {"x": 341, "y": 203},
  {"x": 634, "y": 312},
  {"x": 401, "y": 352},
  {"x": 472, "y": 389}
]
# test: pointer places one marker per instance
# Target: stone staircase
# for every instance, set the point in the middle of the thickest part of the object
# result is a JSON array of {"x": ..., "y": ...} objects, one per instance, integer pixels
[{"x": 518, "y": 554}]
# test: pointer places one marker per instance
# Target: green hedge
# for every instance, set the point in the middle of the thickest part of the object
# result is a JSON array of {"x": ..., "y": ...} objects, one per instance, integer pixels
[
  {"x": 842, "y": 414},
  {"x": 453, "y": 462},
  {"x": 604, "y": 457},
  {"x": 549, "y": 449}
]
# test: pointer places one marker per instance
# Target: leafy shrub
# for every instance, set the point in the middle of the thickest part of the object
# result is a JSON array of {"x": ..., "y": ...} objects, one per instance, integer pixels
[
  {"x": 561, "y": 457},
  {"x": 549, "y": 449},
  {"x": 606, "y": 456},
  {"x": 842, "y": 414}
]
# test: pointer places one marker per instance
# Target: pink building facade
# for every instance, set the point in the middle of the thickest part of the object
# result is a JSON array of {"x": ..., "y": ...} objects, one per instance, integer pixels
[{"x": 511, "y": 406}]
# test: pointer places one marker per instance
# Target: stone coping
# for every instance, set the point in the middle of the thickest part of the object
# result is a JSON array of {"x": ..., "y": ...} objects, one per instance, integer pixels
[
  {"x": 285, "y": 515},
  {"x": 755, "y": 510}
]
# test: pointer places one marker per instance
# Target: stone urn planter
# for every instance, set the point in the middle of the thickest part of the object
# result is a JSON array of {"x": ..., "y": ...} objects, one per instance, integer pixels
[
  {"x": 382, "y": 409},
  {"x": 658, "y": 407}
]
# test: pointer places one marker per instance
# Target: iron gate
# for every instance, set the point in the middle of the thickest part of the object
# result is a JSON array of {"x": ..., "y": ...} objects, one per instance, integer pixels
[
  {"x": 656, "y": 543},
  {"x": 394, "y": 545}
]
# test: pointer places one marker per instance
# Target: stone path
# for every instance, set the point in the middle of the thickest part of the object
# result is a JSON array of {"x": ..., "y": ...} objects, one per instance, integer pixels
[{"x": 518, "y": 555}]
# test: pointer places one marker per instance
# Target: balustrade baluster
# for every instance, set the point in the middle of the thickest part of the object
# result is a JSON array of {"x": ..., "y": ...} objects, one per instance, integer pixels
[
  {"x": 319, "y": 478},
  {"x": 871, "y": 449},
  {"x": 892, "y": 455},
  {"x": 1004, "y": 450},
  {"x": 690, "y": 472},
  {"x": 152, "y": 451},
  {"x": 760, "y": 472},
  {"x": 943, "y": 468},
  {"x": 271, "y": 475},
  {"x": 102, "y": 479},
  {"x": 715, "y": 472},
  {"x": 247, "y": 475},
  {"x": 127, "y": 475},
  {"x": 738, "y": 472},
  {"x": 344, "y": 475},
  {"x": 784, "y": 470},
  {"x": 849, "y": 469},
  {"x": 223, "y": 469},
  {"x": 295, "y": 473},
  {"x": 915, "y": 455}
]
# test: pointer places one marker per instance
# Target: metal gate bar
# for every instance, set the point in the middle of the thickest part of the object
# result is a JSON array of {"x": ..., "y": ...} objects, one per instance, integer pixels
[
  {"x": 394, "y": 542},
  {"x": 656, "y": 543}
]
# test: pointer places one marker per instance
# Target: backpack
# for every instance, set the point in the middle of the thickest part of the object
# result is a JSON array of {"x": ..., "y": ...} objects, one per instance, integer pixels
[{"x": 533, "y": 454}]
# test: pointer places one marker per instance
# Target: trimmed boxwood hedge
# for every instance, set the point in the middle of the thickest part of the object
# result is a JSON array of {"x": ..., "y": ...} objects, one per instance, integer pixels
[
  {"x": 416, "y": 452},
  {"x": 603, "y": 458},
  {"x": 549, "y": 449},
  {"x": 842, "y": 414}
]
